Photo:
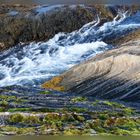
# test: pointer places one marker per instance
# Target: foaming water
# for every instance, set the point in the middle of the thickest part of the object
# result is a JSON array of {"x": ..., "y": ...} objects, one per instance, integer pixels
[{"x": 34, "y": 63}]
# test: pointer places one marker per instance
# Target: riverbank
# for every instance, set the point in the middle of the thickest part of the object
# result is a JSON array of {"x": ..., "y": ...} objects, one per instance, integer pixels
[
  {"x": 41, "y": 23},
  {"x": 92, "y": 72}
]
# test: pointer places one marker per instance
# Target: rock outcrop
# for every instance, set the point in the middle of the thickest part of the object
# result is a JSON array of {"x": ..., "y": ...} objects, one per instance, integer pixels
[
  {"x": 114, "y": 74},
  {"x": 19, "y": 23},
  {"x": 22, "y": 23}
]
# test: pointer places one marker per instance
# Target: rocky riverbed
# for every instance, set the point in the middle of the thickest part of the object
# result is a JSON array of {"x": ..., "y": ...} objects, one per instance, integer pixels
[
  {"x": 26, "y": 111},
  {"x": 32, "y": 111},
  {"x": 82, "y": 81},
  {"x": 110, "y": 75}
]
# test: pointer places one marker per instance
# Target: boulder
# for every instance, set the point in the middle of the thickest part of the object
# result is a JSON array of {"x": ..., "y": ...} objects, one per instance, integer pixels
[{"x": 114, "y": 74}]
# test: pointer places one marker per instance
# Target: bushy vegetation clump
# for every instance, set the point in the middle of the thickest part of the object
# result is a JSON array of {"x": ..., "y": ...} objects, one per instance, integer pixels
[{"x": 72, "y": 124}]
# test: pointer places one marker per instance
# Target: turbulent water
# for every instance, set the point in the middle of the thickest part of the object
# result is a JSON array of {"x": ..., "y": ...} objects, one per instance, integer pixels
[{"x": 37, "y": 62}]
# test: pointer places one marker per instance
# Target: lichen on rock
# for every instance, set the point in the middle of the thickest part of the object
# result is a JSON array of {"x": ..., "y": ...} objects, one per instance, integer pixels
[{"x": 54, "y": 84}]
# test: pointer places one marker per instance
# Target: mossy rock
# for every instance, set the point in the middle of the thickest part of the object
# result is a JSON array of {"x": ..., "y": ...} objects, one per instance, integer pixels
[
  {"x": 79, "y": 99},
  {"x": 54, "y": 84},
  {"x": 46, "y": 92}
]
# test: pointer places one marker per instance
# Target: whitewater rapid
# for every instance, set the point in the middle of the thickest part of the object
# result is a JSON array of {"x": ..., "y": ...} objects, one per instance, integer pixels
[{"x": 37, "y": 62}]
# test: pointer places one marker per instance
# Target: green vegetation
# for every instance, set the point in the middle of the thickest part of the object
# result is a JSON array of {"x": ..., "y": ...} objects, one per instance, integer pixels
[
  {"x": 6, "y": 100},
  {"x": 58, "y": 118},
  {"x": 12, "y": 130},
  {"x": 113, "y": 104},
  {"x": 20, "y": 119},
  {"x": 116, "y": 126},
  {"x": 76, "y": 109},
  {"x": 2, "y": 109},
  {"x": 113, "y": 118},
  {"x": 79, "y": 99},
  {"x": 109, "y": 103},
  {"x": 71, "y": 124},
  {"x": 128, "y": 111},
  {"x": 19, "y": 110},
  {"x": 74, "y": 132},
  {"x": 46, "y": 92},
  {"x": 4, "y": 103},
  {"x": 16, "y": 118}
]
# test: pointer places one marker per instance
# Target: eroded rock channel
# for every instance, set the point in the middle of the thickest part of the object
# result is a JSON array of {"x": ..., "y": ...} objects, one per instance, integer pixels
[{"x": 80, "y": 76}]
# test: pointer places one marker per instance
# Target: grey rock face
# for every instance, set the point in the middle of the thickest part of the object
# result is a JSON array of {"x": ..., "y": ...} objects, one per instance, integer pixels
[{"x": 114, "y": 74}]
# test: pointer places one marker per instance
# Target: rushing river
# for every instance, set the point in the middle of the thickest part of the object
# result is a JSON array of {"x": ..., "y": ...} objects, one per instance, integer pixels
[{"x": 37, "y": 62}]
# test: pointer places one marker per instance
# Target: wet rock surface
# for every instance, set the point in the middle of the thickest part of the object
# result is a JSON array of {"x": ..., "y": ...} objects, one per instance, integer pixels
[
  {"x": 32, "y": 111},
  {"x": 35, "y": 99}
]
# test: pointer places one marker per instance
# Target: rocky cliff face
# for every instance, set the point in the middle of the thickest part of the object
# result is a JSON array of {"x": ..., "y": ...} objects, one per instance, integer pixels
[{"x": 114, "y": 74}]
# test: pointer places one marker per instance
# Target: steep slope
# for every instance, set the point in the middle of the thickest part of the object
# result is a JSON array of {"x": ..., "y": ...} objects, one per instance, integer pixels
[{"x": 114, "y": 74}]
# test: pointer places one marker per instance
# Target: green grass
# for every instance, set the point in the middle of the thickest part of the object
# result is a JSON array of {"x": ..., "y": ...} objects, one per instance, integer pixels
[
  {"x": 19, "y": 110},
  {"x": 46, "y": 92}
]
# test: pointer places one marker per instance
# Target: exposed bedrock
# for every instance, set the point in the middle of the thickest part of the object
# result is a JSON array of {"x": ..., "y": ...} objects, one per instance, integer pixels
[{"x": 114, "y": 74}]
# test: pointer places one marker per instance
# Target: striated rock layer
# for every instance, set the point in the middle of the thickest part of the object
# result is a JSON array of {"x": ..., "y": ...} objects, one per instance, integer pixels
[{"x": 114, "y": 74}]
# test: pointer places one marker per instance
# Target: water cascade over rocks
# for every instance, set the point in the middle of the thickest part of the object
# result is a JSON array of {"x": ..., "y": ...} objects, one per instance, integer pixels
[{"x": 35, "y": 63}]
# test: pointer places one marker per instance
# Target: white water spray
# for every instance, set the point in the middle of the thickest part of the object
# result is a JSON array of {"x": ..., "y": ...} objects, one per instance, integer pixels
[{"x": 37, "y": 62}]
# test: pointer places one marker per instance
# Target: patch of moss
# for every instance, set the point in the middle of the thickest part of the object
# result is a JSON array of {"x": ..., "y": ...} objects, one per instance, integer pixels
[
  {"x": 95, "y": 102},
  {"x": 74, "y": 124},
  {"x": 58, "y": 117},
  {"x": 18, "y": 131},
  {"x": 79, "y": 99},
  {"x": 5, "y": 97},
  {"x": 54, "y": 84},
  {"x": 22, "y": 119},
  {"x": 103, "y": 116},
  {"x": 46, "y": 92},
  {"x": 52, "y": 117},
  {"x": 16, "y": 118},
  {"x": 2, "y": 109},
  {"x": 31, "y": 120},
  {"x": 109, "y": 103},
  {"x": 72, "y": 132},
  {"x": 128, "y": 111},
  {"x": 4, "y": 103},
  {"x": 113, "y": 104},
  {"x": 19, "y": 110},
  {"x": 76, "y": 109},
  {"x": 79, "y": 118}
]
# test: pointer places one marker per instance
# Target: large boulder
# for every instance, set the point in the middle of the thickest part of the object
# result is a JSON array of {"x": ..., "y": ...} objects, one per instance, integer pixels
[{"x": 114, "y": 74}]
